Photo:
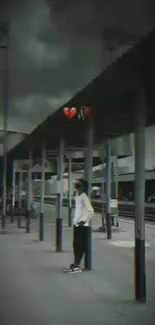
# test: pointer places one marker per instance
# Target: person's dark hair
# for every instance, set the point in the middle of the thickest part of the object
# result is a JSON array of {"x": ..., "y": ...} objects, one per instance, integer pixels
[{"x": 84, "y": 184}]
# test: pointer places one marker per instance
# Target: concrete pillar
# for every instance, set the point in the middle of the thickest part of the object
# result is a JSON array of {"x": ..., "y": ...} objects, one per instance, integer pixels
[
  {"x": 108, "y": 191},
  {"x": 88, "y": 178},
  {"x": 29, "y": 192},
  {"x": 19, "y": 199},
  {"x": 140, "y": 267},
  {"x": 70, "y": 191},
  {"x": 42, "y": 193},
  {"x": 13, "y": 193},
  {"x": 59, "y": 203}
]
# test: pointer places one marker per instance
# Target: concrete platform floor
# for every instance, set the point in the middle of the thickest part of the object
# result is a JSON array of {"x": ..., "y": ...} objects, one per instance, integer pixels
[{"x": 34, "y": 289}]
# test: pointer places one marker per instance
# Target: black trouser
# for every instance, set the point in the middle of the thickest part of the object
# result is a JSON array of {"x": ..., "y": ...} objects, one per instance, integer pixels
[{"x": 79, "y": 243}]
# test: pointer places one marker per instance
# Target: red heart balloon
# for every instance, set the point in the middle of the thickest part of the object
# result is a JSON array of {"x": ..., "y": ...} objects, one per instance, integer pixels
[
  {"x": 87, "y": 111},
  {"x": 66, "y": 112},
  {"x": 72, "y": 112}
]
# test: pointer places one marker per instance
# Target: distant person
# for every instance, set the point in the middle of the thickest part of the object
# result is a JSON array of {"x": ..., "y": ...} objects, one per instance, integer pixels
[
  {"x": 130, "y": 198},
  {"x": 83, "y": 214}
]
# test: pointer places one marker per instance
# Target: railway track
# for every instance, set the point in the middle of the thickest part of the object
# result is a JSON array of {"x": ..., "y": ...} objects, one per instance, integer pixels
[{"x": 126, "y": 209}]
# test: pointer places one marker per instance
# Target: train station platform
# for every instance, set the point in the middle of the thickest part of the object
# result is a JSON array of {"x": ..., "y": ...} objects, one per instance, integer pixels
[{"x": 34, "y": 289}]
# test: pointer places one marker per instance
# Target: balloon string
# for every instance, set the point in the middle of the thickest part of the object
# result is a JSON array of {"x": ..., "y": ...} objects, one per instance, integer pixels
[{"x": 82, "y": 112}]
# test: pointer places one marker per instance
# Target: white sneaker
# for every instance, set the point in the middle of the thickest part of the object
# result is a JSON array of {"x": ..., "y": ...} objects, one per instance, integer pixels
[{"x": 73, "y": 269}]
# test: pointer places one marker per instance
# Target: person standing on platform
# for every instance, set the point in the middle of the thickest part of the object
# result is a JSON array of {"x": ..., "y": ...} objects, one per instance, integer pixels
[{"x": 83, "y": 215}]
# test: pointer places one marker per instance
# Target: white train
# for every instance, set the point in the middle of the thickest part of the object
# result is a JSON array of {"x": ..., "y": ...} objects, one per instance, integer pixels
[{"x": 125, "y": 185}]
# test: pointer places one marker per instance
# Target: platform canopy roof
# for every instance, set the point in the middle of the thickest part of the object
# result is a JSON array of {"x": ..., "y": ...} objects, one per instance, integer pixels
[{"x": 111, "y": 95}]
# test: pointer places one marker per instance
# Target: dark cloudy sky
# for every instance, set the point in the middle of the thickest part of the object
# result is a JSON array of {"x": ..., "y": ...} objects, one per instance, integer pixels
[{"x": 57, "y": 47}]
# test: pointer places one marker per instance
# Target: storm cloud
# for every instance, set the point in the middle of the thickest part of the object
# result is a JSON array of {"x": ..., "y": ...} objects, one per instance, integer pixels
[{"x": 57, "y": 47}]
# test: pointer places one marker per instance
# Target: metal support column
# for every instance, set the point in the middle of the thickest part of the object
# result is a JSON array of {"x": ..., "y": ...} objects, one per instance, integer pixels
[
  {"x": 113, "y": 189},
  {"x": 42, "y": 193},
  {"x": 13, "y": 194},
  {"x": 114, "y": 169},
  {"x": 103, "y": 227},
  {"x": 5, "y": 47},
  {"x": 88, "y": 177},
  {"x": 116, "y": 188},
  {"x": 116, "y": 178},
  {"x": 4, "y": 211},
  {"x": 114, "y": 175},
  {"x": 70, "y": 191},
  {"x": 140, "y": 267},
  {"x": 19, "y": 199},
  {"x": 29, "y": 194},
  {"x": 108, "y": 191},
  {"x": 59, "y": 205}
]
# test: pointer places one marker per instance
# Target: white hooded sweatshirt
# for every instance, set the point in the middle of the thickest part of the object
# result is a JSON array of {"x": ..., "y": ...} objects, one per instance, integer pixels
[{"x": 83, "y": 210}]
